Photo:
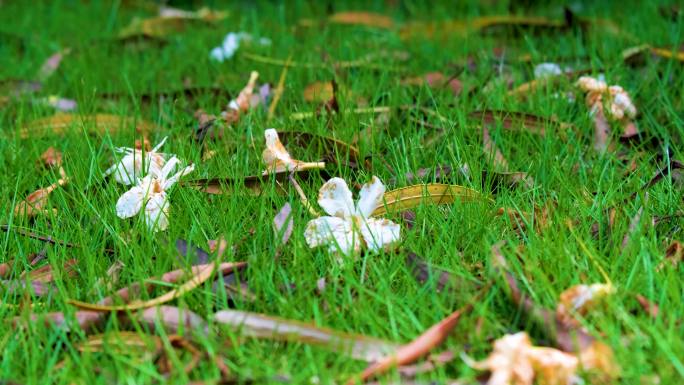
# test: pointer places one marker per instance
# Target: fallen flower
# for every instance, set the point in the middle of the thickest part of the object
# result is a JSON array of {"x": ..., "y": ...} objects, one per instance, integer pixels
[
  {"x": 580, "y": 299},
  {"x": 615, "y": 98},
  {"x": 348, "y": 228},
  {"x": 277, "y": 159},
  {"x": 35, "y": 203},
  {"x": 244, "y": 101},
  {"x": 515, "y": 361},
  {"x": 130, "y": 168},
  {"x": 231, "y": 43},
  {"x": 150, "y": 192}
]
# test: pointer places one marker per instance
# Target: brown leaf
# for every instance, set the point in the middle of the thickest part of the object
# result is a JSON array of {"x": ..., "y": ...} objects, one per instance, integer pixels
[
  {"x": 283, "y": 223},
  {"x": 46, "y": 274},
  {"x": 35, "y": 203},
  {"x": 415, "y": 349},
  {"x": 447, "y": 29},
  {"x": 674, "y": 254},
  {"x": 436, "y": 80},
  {"x": 444, "y": 280},
  {"x": 51, "y": 157},
  {"x": 519, "y": 121},
  {"x": 61, "y": 123},
  {"x": 649, "y": 307},
  {"x": 85, "y": 320},
  {"x": 268, "y": 327},
  {"x": 173, "y": 320},
  {"x": 601, "y": 131},
  {"x": 368, "y": 19}
]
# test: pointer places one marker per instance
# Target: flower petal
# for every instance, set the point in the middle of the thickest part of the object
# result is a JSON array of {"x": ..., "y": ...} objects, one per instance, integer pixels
[
  {"x": 334, "y": 232},
  {"x": 127, "y": 169},
  {"x": 171, "y": 181},
  {"x": 379, "y": 233},
  {"x": 156, "y": 213},
  {"x": 130, "y": 202},
  {"x": 335, "y": 198},
  {"x": 370, "y": 197}
]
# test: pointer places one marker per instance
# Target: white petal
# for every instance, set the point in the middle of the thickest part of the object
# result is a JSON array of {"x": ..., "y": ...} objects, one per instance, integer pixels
[
  {"x": 217, "y": 54},
  {"x": 168, "y": 168},
  {"x": 335, "y": 198},
  {"x": 370, "y": 197},
  {"x": 543, "y": 70},
  {"x": 379, "y": 233},
  {"x": 156, "y": 213},
  {"x": 334, "y": 232},
  {"x": 171, "y": 181},
  {"x": 275, "y": 156},
  {"x": 130, "y": 202},
  {"x": 127, "y": 169}
]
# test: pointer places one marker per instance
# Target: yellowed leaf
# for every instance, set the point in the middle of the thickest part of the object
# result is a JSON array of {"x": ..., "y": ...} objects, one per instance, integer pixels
[
  {"x": 406, "y": 198},
  {"x": 318, "y": 92},
  {"x": 368, "y": 19},
  {"x": 60, "y": 123}
]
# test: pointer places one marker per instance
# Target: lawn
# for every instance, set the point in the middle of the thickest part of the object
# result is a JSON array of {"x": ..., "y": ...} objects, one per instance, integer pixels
[{"x": 417, "y": 95}]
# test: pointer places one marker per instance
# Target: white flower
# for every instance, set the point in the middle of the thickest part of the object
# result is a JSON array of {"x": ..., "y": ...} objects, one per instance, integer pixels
[
  {"x": 231, "y": 43},
  {"x": 348, "y": 228},
  {"x": 150, "y": 192},
  {"x": 277, "y": 159},
  {"x": 543, "y": 70},
  {"x": 619, "y": 104},
  {"x": 130, "y": 168}
]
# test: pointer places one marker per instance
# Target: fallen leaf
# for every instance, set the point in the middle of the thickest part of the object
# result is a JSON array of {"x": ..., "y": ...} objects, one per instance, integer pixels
[
  {"x": 649, "y": 307},
  {"x": 201, "y": 273},
  {"x": 318, "y": 92},
  {"x": 444, "y": 280},
  {"x": 254, "y": 184},
  {"x": 368, "y": 19},
  {"x": 85, "y": 320},
  {"x": 35, "y": 203},
  {"x": 283, "y": 223},
  {"x": 332, "y": 149},
  {"x": 61, "y": 123},
  {"x": 121, "y": 342},
  {"x": 415, "y": 349},
  {"x": 406, "y": 198},
  {"x": 436, "y": 80},
  {"x": 579, "y": 299},
  {"x": 633, "y": 54},
  {"x": 168, "y": 22},
  {"x": 519, "y": 121},
  {"x": 191, "y": 253},
  {"x": 446, "y": 29},
  {"x": 173, "y": 320},
  {"x": 45, "y": 274},
  {"x": 268, "y": 327},
  {"x": 674, "y": 254},
  {"x": 46, "y": 239}
]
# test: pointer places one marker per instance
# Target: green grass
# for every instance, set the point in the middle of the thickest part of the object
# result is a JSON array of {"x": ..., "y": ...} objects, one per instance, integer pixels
[{"x": 376, "y": 295}]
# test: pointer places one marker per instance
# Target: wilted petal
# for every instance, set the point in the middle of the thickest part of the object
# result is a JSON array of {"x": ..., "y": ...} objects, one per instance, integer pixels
[
  {"x": 370, "y": 197},
  {"x": 334, "y": 232},
  {"x": 275, "y": 155},
  {"x": 335, "y": 198},
  {"x": 130, "y": 202},
  {"x": 157, "y": 212},
  {"x": 183, "y": 172},
  {"x": 127, "y": 169},
  {"x": 379, "y": 233}
]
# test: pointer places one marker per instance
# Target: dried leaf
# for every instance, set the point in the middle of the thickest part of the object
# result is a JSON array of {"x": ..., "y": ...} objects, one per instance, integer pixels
[
  {"x": 201, "y": 273},
  {"x": 406, "y": 198},
  {"x": 173, "y": 320},
  {"x": 674, "y": 254},
  {"x": 283, "y": 223},
  {"x": 254, "y": 184},
  {"x": 634, "y": 53},
  {"x": 45, "y": 274},
  {"x": 83, "y": 319},
  {"x": 446, "y": 29},
  {"x": 35, "y": 203},
  {"x": 415, "y": 349},
  {"x": 168, "y": 22},
  {"x": 268, "y": 327},
  {"x": 518, "y": 121},
  {"x": 368, "y": 19},
  {"x": 319, "y": 92},
  {"x": 193, "y": 254},
  {"x": 121, "y": 342},
  {"x": 333, "y": 149},
  {"x": 579, "y": 299},
  {"x": 436, "y": 80},
  {"x": 60, "y": 123},
  {"x": 649, "y": 307}
]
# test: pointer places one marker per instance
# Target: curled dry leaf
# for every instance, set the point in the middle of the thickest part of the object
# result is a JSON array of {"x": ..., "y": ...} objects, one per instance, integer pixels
[
  {"x": 406, "y": 198},
  {"x": 46, "y": 273},
  {"x": 61, "y": 123},
  {"x": 267, "y": 327},
  {"x": 36, "y": 202}
]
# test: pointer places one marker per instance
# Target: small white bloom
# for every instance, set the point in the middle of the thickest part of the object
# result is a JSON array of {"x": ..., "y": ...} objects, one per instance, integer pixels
[
  {"x": 277, "y": 159},
  {"x": 231, "y": 43},
  {"x": 130, "y": 168},
  {"x": 543, "y": 70},
  {"x": 150, "y": 193},
  {"x": 348, "y": 228}
]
